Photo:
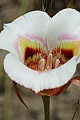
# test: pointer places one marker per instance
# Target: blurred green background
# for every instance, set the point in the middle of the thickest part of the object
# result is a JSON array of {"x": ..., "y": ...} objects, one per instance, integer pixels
[{"x": 63, "y": 106}]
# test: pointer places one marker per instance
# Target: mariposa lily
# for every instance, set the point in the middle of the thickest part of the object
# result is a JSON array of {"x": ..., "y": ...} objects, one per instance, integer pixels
[{"x": 44, "y": 51}]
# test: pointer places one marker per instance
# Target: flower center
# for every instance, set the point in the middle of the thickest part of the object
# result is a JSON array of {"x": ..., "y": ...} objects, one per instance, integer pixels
[
  {"x": 43, "y": 61},
  {"x": 34, "y": 54},
  {"x": 36, "y": 57},
  {"x": 49, "y": 64}
]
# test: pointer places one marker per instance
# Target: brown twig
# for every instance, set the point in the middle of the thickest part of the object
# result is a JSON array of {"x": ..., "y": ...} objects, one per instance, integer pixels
[
  {"x": 77, "y": 109},
  {"x": 69, "y": 4}
]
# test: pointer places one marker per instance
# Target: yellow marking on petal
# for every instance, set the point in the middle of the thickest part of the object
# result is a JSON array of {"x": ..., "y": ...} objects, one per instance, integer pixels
[
  {"x": 74, "y": 46},
  {"x": 68, "y": 49},
  {"x": 31, "y": 52},
  {"x": 26, "y": 43}
]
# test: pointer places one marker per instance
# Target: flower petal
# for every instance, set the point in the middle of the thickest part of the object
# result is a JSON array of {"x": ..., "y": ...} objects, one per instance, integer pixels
[
  {"x": 64, "y": 27},
  {"x": 76, "y": 80},
  {"x": 68, "y": 49},
  {"x": 31, "y": 25},
  {"x": 28, "y": 48},
  {"x": 36, "y": 80},
  {"x": 32, "y": 52}
]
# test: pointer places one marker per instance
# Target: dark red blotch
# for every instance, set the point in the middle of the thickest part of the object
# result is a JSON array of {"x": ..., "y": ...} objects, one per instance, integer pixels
[
  {"x": 29, "y": 52},
  {"x": 68, "y": 54}
]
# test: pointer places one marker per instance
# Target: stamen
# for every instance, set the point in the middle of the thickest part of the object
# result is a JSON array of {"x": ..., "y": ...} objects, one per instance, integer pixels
[
  {"x": 57, "y": 63},
  {"x": 49, "y": 61},
  {"x": 60, "y": 46},
  {"x": 48, "y": 68},
  {"x": 42, "y": 64}
]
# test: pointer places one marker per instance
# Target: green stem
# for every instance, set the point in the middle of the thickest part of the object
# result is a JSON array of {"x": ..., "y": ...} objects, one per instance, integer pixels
[
  {"x": 7, "y": 99},
  {"x": 46, "y": 103}
]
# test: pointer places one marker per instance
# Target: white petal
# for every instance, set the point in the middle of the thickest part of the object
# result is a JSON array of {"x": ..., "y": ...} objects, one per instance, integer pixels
[
  {"x": 36, "y": 24},
  {"x": 33, "y": 24},
  {"x": 7, "y": 39},
  {"x": 36, "y": 80},
  {"x": 65, "y": 25}
]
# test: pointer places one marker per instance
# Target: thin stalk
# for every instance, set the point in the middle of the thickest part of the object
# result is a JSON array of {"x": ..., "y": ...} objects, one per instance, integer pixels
[
  {"x": 7, "y": 99},
  {"x": 46, "y": 103},
  {"x": 23, "y": 7}
]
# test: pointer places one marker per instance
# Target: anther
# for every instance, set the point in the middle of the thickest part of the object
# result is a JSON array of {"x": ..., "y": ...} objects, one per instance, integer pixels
[
  {"x": 42, "y": 64},
  {"x": 57, "y": 63},
  {"x": 49, "y": 61}
]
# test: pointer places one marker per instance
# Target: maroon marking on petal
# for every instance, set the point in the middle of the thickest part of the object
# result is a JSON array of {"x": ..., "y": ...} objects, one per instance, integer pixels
[
  {"x": 68, "y": 54},
  {"x": 55, "y": 91},
  {"x": 29, "y": 52}
]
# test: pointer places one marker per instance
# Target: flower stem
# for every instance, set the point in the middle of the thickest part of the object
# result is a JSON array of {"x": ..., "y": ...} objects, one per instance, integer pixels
[{"x": 46, "y": 103}]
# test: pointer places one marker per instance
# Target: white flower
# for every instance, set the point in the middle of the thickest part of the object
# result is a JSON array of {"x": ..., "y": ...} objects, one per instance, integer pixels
[{"x": 44, "y": 51}]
